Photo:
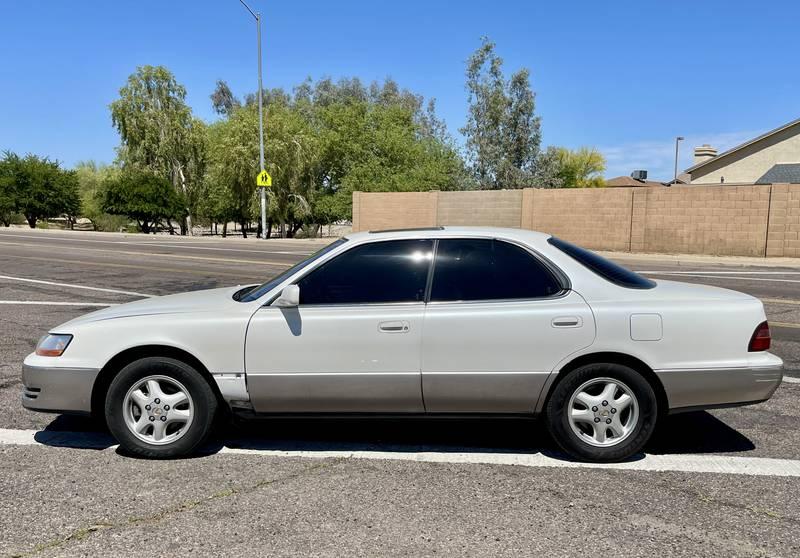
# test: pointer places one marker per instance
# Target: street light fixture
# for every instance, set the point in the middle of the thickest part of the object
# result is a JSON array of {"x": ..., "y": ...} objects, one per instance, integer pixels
[
  {"x": 257, "y": 17},
  {"x": 677, "y": 142}
]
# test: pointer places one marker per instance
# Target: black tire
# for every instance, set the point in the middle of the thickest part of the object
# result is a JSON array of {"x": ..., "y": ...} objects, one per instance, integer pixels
[
  {"x": 203, "y": 399},
  {"x": 557, "y": 413}
]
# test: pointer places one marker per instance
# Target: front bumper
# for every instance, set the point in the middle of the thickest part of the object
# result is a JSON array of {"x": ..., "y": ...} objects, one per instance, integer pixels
[
  {"x": 719, "y": 387},
  {"x": 58, "y": 390}
]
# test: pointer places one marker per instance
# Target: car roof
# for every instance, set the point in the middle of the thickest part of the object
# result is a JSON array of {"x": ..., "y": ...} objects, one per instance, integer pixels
[{"x": 449, "y": 232}]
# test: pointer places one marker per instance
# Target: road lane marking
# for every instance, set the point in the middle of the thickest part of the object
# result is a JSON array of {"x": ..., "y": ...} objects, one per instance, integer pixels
[
  {"x": 784, "y": 324},
  {"x": 752, "y": 466},
  {"x": 720, "y": 272},
  {"x": 680, "y": 274},
  {"x": 278, "y": 252},
  {"x": 139, "y": 267},
  {"x": 159, "y": 242},
  {"x": 791, "y": 380},
  {"x": 148, "y": 254},
  {"x": 73, "y": 286},
  {"x": 781, "y": 301},
  {"x": 56, "y": 303}
]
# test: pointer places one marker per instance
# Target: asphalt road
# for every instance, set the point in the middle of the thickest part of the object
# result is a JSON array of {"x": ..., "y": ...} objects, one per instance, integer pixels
[{"x": 452, "y": 488}]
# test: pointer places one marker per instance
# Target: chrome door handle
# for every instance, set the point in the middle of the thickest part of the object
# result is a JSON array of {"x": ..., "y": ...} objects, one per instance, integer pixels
[
  {"x": 394, "y": 327},
  {"x": 567, "y": 321}
]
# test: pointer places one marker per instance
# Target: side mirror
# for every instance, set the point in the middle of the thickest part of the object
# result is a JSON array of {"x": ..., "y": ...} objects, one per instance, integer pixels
[{"x": 289, "y": 297}]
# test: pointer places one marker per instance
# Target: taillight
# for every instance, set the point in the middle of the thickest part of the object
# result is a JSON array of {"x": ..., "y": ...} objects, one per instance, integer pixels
[{"x": 760, "y": 339}]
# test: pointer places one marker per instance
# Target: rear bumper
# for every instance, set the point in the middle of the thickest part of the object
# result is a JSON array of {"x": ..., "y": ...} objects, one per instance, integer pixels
[
  {"x": 58, "y": 390},
  {"x": 719, "y": 387}
]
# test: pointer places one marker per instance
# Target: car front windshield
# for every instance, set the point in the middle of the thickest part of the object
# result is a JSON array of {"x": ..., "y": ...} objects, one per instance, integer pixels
[{"x": 261, "y": 290}]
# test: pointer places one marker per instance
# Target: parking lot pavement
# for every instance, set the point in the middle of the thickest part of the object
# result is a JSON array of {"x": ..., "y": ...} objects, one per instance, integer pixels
[{"x": 422, "y": 487}]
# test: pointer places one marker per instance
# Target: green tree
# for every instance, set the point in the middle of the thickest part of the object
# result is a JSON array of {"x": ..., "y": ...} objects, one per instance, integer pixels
[
  {"x": 324, "y": 140},
  {"x": 158, "y": 132},
  {"x": 142, "y": 196},
  {"x": 503, "y": 133},
  {"x": 233, "y": 164},
  {"x": 91, "y": 180},
  {"x": 548, "y": 173},
  {"x": 581, "y": 168},
  {"x": 223, "y": 100},
  {"x": 8, "y": 198},
  {"x": 377, "y": 139},
  {"x": 38, "y": 188}
]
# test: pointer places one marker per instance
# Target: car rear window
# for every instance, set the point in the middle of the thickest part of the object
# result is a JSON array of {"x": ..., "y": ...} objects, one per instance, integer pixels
[{"x": 606, "y": 269}]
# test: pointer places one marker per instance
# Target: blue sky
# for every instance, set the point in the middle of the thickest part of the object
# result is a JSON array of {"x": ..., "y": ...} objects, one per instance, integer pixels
[{"x": 625, "y": 77}]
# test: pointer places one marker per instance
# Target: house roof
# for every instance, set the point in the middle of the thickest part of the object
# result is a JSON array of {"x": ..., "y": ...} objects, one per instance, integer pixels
[
  {"x": 745, "y": 144},
  {"x": 628, "y": 182},
  {"x": 782, "y": 173}
]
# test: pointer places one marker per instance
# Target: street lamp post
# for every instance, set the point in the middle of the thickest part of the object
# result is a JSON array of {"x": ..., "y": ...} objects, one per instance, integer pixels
[
  {"x": 257, "y": 17},
  {"x": 677, "y": 141}
]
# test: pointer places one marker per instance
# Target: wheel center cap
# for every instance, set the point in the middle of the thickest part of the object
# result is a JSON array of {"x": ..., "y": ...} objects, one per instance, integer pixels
[{"x": 157, "y": 411}]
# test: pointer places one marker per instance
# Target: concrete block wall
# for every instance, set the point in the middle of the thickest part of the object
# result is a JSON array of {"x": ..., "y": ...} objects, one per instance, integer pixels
[
  {"x": 783, "y": 238},
  {"x": 495, "y": 208},
  {"x": 717, "y": 220},
  {"x": 596, "y": 218},
  {"x": 379, "y": 210},
  {"x": 739, "y": 220}
]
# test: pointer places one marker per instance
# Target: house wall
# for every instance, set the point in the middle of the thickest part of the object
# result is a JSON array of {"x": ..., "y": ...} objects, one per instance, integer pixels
[
  {"x": 750, "y": 163},
  {"x": 719, "y": 220}
]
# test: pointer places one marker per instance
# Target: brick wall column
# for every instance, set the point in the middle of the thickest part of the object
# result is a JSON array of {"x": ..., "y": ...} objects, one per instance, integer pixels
[
  {"x": 434, "y": 207},
  {"x": 776, "y": 224},
  {"x": 526, "y": 214},
  {"x": 638, "y": 216},
  {"x": 356, "y": 211}
]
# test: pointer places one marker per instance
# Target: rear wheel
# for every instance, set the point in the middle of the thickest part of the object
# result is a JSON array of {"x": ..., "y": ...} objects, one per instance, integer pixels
[
  {"x": 160, "y": 407},
  {"x": 602, "y": 412}
]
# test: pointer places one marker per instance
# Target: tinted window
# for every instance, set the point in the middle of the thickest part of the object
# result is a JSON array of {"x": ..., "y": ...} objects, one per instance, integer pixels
[
  {"x": 478, "y": 269},
  {"x": 261, "y": 290},
  {"x": 603, "y": 267},
  {"x": 393, "y": 271}
]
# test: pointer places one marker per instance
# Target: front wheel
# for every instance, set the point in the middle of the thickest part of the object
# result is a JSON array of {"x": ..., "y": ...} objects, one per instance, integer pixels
[
  {"x": 602, "y": 412},
  {"x": 160, "y": 407}
]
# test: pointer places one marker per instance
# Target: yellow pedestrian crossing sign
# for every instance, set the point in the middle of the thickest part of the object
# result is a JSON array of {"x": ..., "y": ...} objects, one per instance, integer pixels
[{"x": 264, "y": 179}]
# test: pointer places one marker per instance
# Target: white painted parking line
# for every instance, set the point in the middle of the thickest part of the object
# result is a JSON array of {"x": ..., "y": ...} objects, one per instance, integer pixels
[
  {"x": 73, "y": 286},
  {"x": 55, "y": 303},
  {"x": 791, "y": 380},
  {"x": 754, "y": 466}
]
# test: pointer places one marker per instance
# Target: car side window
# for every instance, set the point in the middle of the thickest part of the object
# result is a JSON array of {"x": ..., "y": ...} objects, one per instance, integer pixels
[
  {"x": 483, "y": 269},
  {"x": 378, "y": 272}
]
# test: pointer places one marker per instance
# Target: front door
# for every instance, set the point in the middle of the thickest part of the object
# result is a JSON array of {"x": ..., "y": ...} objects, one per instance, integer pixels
[
  {"x": 497, "y": 323},
  {"x": 353, "y": 344}
]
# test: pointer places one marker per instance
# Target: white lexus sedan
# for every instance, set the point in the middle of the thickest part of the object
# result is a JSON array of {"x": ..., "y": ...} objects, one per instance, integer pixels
[{"x": 440, "y": 322}]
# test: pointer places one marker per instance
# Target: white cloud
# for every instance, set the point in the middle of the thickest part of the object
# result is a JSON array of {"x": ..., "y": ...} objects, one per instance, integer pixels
[{"x": 657, "y": 157}]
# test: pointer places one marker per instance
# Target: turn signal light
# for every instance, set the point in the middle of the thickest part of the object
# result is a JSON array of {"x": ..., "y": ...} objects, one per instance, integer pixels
[
  {"x": 53, "y": 345},
  {"x": 761, "y": 339}
]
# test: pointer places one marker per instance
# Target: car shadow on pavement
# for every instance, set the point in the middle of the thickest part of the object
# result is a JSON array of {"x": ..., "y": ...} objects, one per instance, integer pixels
[{"x": 697, "y": 432}]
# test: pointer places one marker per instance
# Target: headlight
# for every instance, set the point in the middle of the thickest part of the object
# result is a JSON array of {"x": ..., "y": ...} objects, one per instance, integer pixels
[{"x": 53, "y": 345}]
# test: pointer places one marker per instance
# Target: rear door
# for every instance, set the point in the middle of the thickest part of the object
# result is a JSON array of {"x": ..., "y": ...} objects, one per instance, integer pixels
[
  {"x": 353, "y": 343},
  {"x": 497, "y": 323}
]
